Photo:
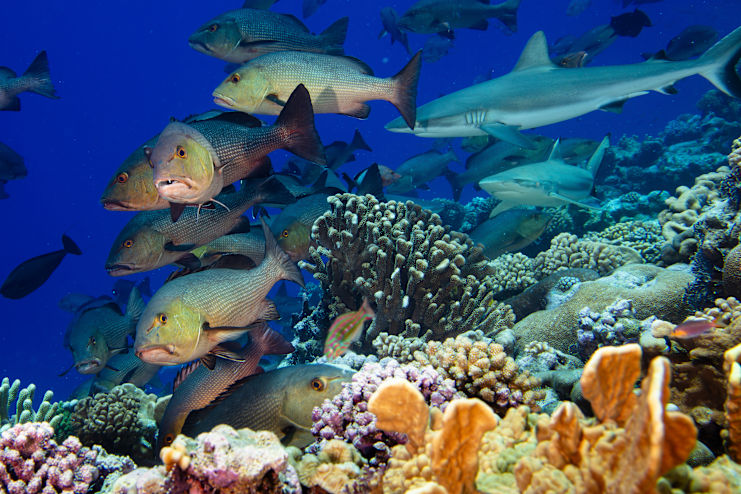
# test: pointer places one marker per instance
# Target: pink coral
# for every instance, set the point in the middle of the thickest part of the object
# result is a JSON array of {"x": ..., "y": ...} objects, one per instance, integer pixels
[{"x": 32, "y": 462}]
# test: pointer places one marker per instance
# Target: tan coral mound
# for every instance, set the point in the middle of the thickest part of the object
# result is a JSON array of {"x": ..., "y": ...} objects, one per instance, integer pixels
[{"x": 568, "y": 251}]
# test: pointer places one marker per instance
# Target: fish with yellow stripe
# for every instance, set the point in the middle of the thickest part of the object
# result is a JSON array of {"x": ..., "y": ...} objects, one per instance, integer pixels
[{"x": 346, "y": 329}]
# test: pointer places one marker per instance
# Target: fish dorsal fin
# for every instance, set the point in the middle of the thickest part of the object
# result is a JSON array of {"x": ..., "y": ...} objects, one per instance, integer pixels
[
  {"x": 183, "y": 373},
  {"x": 5, "y": 71},
  {"x": 292, "y": 18},
  {"x": 555, "y": 152},
  {"x": 535, "y": 54}
]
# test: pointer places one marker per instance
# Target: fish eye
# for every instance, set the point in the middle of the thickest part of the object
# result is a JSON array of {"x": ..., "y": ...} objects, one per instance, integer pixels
[
  {"x": 213, "y": 28},
  {"x": 169, "y": 438},
  {"x": 162, "y": 318},
  {"x": 91, "y": 342},
  {"x": 284, "y": 233},
  {"x": 128, "y": 243},
  {"x": 317, "y": 384},
  {"x": 180, "y": 152},
  {"x": 235, "y": 78},
  {"x": 122, "y": 177}
]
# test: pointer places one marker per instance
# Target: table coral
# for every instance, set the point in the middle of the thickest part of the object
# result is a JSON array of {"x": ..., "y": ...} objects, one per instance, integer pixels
[
  {"x": 12, "y": 396},
  {"x": 422, "y": 278}
]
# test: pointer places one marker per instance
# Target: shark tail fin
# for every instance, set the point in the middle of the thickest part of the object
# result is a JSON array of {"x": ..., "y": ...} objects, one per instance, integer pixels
[
  {"x": 721, "y": 60},
  {"x": 596, "y": 160},
  {"x": 404, "y": 96}
]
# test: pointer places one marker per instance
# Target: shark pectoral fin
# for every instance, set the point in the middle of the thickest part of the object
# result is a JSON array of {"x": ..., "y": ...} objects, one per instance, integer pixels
[
  {"x": 501, "y": 207},
  {"x": 572, "y": 201},
  {"x": 555, "y": 152},
  {"x": 508, "y": 133},
  {"x": 614, "y": 107},
  {"x": 668, "y": 89}
]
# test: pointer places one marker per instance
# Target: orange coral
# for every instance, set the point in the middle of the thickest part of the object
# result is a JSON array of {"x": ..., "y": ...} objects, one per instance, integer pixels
[{"x": 732, "y": 368}]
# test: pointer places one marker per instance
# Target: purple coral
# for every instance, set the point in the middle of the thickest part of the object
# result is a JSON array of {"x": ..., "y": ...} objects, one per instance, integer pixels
[
  {"x": 32, "y": 462},
  {"x": 346, "y": 416},
  {"x": 606, "y": 328}
]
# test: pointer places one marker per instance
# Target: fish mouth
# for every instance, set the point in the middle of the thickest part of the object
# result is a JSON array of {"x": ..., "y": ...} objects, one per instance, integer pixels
[
  {"x": 199, "y": 46},
  {"x": 88, "y": 366},
  {"x": 119, "y": 269},
  {"x": 173, "y": 187},
  {"x": 156, "y": 354},
  {"x": 222, "y": 100},
  {"x": 114, "y": 205}
]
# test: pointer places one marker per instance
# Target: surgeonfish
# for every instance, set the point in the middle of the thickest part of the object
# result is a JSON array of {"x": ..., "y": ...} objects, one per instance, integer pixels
[
  {"x": 337, "y": 84},
  {"x": 280, "y": 401},
  {"x": 35, "y": 79},
  {"x": 241, "y": 35},
  {"x": 443, "y": 16},
  {"x": 346, "y": 329},
  {"x": 196, "y": 386},
  {"x": 32, "y": 273},
  {"x": 188, "y": 318}
]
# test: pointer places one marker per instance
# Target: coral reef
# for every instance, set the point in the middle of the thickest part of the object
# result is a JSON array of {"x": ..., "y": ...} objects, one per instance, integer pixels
[
  {"x": 732, "y": 369},
  {"x": 642, "y": 236},
  {"x": 334, "y": 468},
  {"x": 11, "y": 395},
  {"x": 512, "y": 273},
  {"x": 614, "y": 326},
  {"x": 423, "y": 279}
]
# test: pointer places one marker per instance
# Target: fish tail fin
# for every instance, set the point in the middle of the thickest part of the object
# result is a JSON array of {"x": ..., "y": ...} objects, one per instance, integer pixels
[
  {"x": 70, "y": 246},
  {"x": 296, "y": 120},
  {"x": 509, "y": 14},
  {"x": 135, "y": 306},
  {"x": 270, "y": 342},
  {"x": 334, "y": 36},
  {"x": 358, "y": 142},
  {"x": 273, "y": 191},
  {"x": 288, "y": 269},
  {"x": 596, "y": 159},
  {"x": 404, "y": 96},
  {"x": 39, "y": 72},
  {"x": 720, "y": 61}
]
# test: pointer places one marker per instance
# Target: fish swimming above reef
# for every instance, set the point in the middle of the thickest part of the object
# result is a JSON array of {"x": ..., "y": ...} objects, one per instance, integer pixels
[
  {"x": 510, "y": 231},
  {"x": 548, "y": 183},
  {"x": 280, "y": 401},
  {"x": 390, "y": 21},
  {"x": 99, "y": 331},
  {"x": 292, "y": 227},
  {"x": 35, "y": 79},
  {"x": 196, "y": 386},
  {"x": 337, "y": 84},
  {"x": 420, "y": 169},
  {"x": 338, "y": 152},
  {"x": 241, "y": 35},
  {"x": 630, "y": 24},
  {"x": 443, "y": 16},
  {"x": 190, "y": 317},
  {"x": 122, "y": 289},
  {"x": 571, "y": 52},
  {"x": 11, "y": 167},
  {"x": 309, "y": 7},
  {"x": 250, "y": 245},
  {"x": 538, "y": 93},
  {"x": 151, "y": 239},
  {"x": 346, "y": 329},
  {"x": 692, "y": 41},
  {"x": 692, "y": 328},
  {"x": 193, "y": 162},
  {"x": 31, "y": 274}
]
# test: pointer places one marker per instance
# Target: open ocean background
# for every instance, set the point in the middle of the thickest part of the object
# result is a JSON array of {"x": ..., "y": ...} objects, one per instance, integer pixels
[{"x": 123, "y": 69}]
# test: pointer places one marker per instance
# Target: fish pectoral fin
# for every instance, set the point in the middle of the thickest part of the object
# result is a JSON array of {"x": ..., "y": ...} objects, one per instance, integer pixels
[
  {"x": 614, "y": 107},
  {"x": 572, "y": 201},
  {"x": 501, "y": 207},
  {"x": 225, "y": 353},
  {"x": 361, "y": 111},
  {"x": 189, "y": 261},
  {"x": 275, "y": 99},
  {"x": 118, "y": 351},
  {"x": 176, "y": 210},
  {"x": 668, "y": 89},
  {"x": 169, "y": 246},
  {"x": 508, "y": 133},
  {"x": 208, "y": 361},
  {"x": 108, "y": 366}
]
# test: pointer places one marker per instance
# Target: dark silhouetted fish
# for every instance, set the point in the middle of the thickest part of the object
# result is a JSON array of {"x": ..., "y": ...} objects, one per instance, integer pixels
[
  {"x": 420, "y": 169},
  {"x": 309, "y": 7},
  {"x": 630, "y": 24},
  {"x": 571, "y": 51},
  {"x": 31, "y": 274},
  {"x": 390, "y": 21},
  {"x": 436, "y": 47},
  {"x": 338, "y": 153},
  {"x": 11, "y": 167},
  {"x": 691, "y": 42},
  {"x": 122, "y": 288},
  {"x": 576, "y": 7},
  {"x": 443, "y": 16},
  {"x": 35, "y": 79}
]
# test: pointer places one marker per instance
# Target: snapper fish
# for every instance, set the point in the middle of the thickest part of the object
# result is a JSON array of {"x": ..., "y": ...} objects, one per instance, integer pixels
[
  {"x": 443, "y": 16},
  {"x": 346, "y": 329},
  {"x": 337, "y": 84},
  {"x": 35, "y": 79}
]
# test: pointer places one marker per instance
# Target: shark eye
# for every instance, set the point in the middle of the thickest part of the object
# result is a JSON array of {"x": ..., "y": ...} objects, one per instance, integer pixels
[
  {"x": 180, "y": 152},
  {"x": 317, "y": 384},
  {"x": 213, "y": 28},
  {"x": 235, "y": 78},
  {"x": 162, "y": 318},
  {"x": 122, "y": 178},
  {"x": 128, "y": 243}
]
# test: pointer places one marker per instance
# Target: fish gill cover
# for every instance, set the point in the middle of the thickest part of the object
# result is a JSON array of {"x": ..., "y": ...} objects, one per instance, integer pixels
[{"x": 83, "y": 89}]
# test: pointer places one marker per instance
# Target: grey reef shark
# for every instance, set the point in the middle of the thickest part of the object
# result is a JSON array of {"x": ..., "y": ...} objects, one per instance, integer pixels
[{"x": 537, "y": 92}]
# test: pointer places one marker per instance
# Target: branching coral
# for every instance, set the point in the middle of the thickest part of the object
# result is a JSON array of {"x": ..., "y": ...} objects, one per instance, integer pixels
[
  {"x": 512, "y": 272},
  {"x": 423, "y": 279},
  {"x": 642, "y": 236},
  {"x": 11, "y": 395}
]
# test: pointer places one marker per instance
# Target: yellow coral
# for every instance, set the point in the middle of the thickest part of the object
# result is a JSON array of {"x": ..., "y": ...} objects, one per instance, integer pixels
[{"x": 732, "y": 368}]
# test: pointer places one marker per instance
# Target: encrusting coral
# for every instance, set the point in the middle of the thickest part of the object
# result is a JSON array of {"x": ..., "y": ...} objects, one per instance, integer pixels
[
  {"x": 335, "y": 467},
  {"x": 422, "y": 278},
  {"x": 11, "y": 395}
]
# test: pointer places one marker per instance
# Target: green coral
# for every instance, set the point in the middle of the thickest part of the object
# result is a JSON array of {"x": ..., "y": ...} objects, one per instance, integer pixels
[{"x": 12, "y": 396}]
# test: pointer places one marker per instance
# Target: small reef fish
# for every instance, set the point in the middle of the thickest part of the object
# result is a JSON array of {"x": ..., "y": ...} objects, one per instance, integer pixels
[
  {"x": 35, "y": 79},
  {"x": 196, "y": 386},
  {"x": 510, "y": 231},
  {"x": 337, "y": 84},
  {"x": 548, "y": 183},
  {"x": 692, "y": 328},
  {"x": 32, "y": 273},
  {"x": 292, "y": 227},
  {"x": 443, "y": 16},
  {"x": 346, "y": 329},
  {"x": 420, "y": 169},
  {"x": 280, "y": 401},
  {"x": 151, "y": 239},
  {"x": 241, "y": 35},
  {"x": 692, "y": 41},
  {"x": 193, "y": 162},
  {"x": 189, "y": 317},
  {"x": 11, "y": 168},
  {"x": 338, "y": 153},
  {"x": 538, "y": 93},
  {"x": 390, "y": 21},
  {"x": 630, "y": 24},
  {"x": 100, "y": 330}
]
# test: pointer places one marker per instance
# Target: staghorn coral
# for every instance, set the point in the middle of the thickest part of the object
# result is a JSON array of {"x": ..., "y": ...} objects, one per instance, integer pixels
[
  {"x": 122, "y": 421},
  {"x": 443, "y": 452},
  {"x": 482, "y": 369},
  {"x": 336, "y": 468},
  {"x": 423, "y": 279},
  {"x": 568, "y": 251},
  {"x": 11, "y": 395}
]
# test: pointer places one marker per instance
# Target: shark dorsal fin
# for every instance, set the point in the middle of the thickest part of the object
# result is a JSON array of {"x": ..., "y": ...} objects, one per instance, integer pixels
[
  {"x": 555, "y": 152},
  {"x": 596, "y": 160},
  {"x": 535, "y": 53}
]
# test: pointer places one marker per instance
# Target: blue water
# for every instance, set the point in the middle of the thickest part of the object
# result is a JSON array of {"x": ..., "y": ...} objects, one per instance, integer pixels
[{"x": 123, "y": 69}]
